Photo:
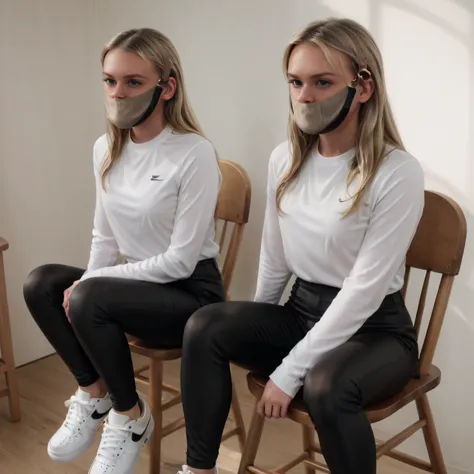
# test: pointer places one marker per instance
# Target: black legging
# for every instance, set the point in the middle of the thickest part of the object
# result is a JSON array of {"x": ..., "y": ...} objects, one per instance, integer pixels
[
  {"x": 374, "y": 364},
  {"x": 103, "y": 310}
]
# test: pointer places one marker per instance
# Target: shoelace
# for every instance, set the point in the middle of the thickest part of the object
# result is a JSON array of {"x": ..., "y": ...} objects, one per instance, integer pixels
[
  {"x": 113, "y": 437},
  {"x": 76, "y": 413}
]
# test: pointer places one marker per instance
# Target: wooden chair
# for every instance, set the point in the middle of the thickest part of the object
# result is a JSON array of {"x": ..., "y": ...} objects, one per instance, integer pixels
[
  {"x": 232, "y": 211},
  {"x": 7, "y": 363},
  {"x": 437, "y": 247}
]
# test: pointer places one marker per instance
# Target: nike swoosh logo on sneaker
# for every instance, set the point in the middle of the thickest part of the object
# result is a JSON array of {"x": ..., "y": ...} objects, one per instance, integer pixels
[
  {"x": 97, "y": 416},
  {"x": 137, "y": 437}
]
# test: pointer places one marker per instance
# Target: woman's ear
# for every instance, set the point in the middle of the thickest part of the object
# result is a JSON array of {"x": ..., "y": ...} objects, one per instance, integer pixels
[
  {"x": 367, "y": 87},
  {"x": 169, "y": 89}
]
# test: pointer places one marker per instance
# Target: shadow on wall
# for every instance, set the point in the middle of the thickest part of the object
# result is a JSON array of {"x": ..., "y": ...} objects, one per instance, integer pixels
[{"x": 456, "y": 346}]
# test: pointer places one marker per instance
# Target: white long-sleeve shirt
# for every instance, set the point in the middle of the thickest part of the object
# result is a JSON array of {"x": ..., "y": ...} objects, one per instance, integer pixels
[
  {"x": 363, "y": 254},
  {"x": 157, "y": 209}
]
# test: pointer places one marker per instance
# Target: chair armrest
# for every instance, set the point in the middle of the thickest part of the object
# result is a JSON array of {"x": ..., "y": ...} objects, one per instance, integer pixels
[{"x": 3, "y": 244}]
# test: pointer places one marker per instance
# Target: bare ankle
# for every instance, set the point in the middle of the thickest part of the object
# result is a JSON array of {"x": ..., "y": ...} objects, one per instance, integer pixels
[
  {"x": 96, "y": 390},
  {"x": 134, "y": 413},
  {"x": 202, "y": 471}
]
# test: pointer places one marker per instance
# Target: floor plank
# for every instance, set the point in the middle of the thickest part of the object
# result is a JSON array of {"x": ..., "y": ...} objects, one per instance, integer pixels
[{"x": 46, "y": 384}]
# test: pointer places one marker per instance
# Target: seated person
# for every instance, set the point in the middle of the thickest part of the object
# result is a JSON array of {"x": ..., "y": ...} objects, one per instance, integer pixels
[
  {"x": 344, "y": 200},
  {"x": 157, "y": 183}
]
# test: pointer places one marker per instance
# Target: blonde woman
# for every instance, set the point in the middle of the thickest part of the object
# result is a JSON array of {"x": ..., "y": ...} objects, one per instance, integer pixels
[
  {"x": 157, "y": 181},
  {"x": 344, "y": 201}
]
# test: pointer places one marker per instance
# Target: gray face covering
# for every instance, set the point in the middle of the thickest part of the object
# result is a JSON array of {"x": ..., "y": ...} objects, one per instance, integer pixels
[
  {"x": 323, "y": 117},
  {"x": 131, "y": 111}
]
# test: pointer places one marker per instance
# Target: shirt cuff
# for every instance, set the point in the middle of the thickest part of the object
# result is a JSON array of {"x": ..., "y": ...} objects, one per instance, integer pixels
[{"x": 284, "y": 381}]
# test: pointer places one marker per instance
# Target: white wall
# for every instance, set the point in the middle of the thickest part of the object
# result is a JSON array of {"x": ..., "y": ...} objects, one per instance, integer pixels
[
  {"x": 48, "y": 121},
  {"x": 231, "y": 52}
]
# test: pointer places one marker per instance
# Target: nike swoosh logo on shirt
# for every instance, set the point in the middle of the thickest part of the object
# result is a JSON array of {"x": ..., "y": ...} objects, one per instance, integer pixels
[{"x": 137, "y": 437}]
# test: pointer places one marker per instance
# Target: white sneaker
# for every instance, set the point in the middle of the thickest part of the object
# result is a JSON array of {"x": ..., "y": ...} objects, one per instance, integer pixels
[
  {"x": 78, "y": 430},
  {"x": 121, "y": 442}
]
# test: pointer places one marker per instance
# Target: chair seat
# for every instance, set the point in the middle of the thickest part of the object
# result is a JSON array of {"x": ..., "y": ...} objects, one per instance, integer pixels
[
  {"x": 140, "y": 347},
  {"x": 375, "y": 413}
]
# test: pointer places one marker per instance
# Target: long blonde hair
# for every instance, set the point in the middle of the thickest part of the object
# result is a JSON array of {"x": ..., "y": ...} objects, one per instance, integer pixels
[
  {"x": 377, "y": 127},
  {"x": 153, "y": 46}
]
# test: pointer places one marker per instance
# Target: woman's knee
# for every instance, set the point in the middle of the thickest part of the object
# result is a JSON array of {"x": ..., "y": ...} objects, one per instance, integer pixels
[
  {"x": 83, "y": 303},
  {"x": 328, "y": 394},
  {"x": 206, "y": 327},
  {"x": 41, "y": 282},
  {"x": 200, "y": 323}
]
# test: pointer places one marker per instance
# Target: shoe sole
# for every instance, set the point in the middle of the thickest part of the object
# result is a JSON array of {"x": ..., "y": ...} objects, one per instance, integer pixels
[{"x": 71, "y": 456}]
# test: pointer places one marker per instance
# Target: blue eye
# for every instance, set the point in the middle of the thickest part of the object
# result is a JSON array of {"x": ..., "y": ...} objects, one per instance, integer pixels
[
  {"x": 323, "y": 83},
  {"x": 295, "y": 82},
  {"x": 131, "y": 82}
]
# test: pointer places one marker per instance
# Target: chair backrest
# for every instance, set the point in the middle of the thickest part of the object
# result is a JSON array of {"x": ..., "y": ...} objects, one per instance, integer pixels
[
  {"x": 437, "y": 247},
  {"x": 232, "y": 211}
]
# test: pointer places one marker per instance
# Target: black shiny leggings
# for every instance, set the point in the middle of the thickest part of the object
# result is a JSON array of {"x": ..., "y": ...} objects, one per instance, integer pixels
[
  {"x": 374, "y": 364},
  {"x": 103, "y": 310}
]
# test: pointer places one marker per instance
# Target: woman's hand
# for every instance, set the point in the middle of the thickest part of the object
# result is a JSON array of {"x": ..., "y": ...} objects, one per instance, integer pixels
[
  {"x": 274, "y": 402},
  {"x": 67, "y": 295}
]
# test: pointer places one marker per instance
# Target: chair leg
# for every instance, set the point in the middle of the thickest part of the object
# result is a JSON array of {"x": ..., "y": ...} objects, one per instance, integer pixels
[
  {"x": 253, "y": 441},
  {"x": 6, "y": 348},
  {"x": 239, "y": 421},
  {"x": 155, "y": 401},
  {"x": 308, "y": 439},
  {"x": 13, "y": 396},
  {"x": 431, "y": 437}
]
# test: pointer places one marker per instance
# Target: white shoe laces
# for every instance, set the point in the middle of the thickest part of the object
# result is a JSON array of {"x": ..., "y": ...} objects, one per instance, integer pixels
[
  {"x": 113, "y": 437},
  {"x": 76, "y": 413}
]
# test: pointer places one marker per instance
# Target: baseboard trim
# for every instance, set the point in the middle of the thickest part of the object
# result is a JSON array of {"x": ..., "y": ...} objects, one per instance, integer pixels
[{"x": 35, "y": 360}]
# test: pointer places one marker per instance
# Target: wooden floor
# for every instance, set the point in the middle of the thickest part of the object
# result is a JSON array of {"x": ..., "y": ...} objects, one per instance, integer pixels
[{"x": 46, "y": 384}]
